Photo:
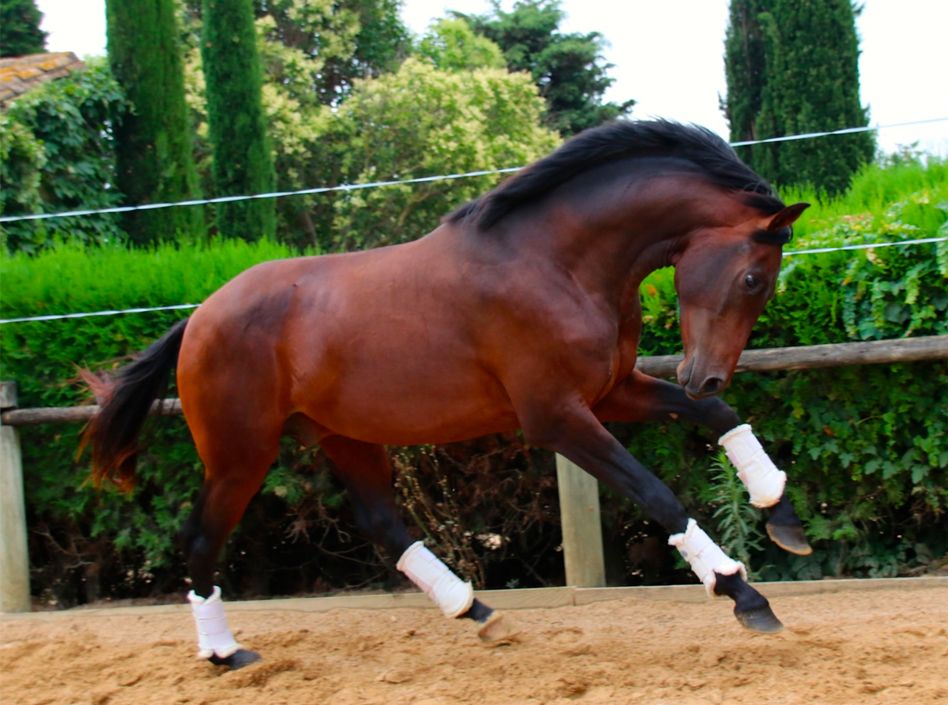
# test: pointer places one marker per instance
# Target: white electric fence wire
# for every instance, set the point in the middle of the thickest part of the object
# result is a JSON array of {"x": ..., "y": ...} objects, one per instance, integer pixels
[
  {"x": 841, "y": 131},
  {"x": 90, "y": 314},
  {"x": 256, "y": 196},
  {"x": 419, "y": 180},
  {"x": 864, "y": 246},
  {"x": 819, "y": 250}
]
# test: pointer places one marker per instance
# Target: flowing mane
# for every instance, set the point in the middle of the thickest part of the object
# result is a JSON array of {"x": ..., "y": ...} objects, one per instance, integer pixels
[{"x": 620, "y": 140}]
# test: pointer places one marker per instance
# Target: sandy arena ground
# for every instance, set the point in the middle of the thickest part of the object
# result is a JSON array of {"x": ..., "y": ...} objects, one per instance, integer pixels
[{"x": 859, "y": 647}]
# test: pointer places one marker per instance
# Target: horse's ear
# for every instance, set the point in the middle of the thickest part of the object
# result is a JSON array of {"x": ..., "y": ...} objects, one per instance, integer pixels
[{"x": 787, "y": 216}]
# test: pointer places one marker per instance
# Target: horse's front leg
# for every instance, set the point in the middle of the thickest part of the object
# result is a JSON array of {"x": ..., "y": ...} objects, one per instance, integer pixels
[
  {"x": 574, "y": 432},
  {"x": 644, "y": 398}
]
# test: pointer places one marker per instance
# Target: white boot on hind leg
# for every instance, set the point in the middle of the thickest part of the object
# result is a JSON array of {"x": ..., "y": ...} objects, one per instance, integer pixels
[
  {"x": 436, "y": 580},
  {"x": 214, "y": 636}
]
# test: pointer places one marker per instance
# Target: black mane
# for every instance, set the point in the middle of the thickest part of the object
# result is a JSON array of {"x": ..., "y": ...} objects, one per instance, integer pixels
[{"x": 620, "y": 140}]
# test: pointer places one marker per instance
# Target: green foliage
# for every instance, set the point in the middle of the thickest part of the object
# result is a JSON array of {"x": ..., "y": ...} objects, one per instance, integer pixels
[
  {"x": 451, "y": 45},
  {"x": 69, "y": 278},
  {"x": 340, "y": 41},
  {"x": 56, "y": 154},
  {"x": 22, "y": 158},
  {"x": 153, "y": 139},
  {"x": 20, "y": 32},
  {"x": 874, "y": 189},
  {"x": 418, "y": 122},
  {"x": 735, "y": 518},
  {"x": 310, "y": 54},
  {"x": 243, "y": 163},
  {"x": 568, "y": 69},
  {"x": 745, "y": 69},
  {"x": 418, "y": 119},
  {"x": 807, "y": 53}
]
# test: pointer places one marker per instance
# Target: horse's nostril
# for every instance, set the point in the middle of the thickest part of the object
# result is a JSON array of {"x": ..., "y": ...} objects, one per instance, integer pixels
[{"x": 712, "y": 385}]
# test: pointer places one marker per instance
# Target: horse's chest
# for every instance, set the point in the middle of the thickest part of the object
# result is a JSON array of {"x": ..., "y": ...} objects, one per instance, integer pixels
[{"x": 623, "y": 356}]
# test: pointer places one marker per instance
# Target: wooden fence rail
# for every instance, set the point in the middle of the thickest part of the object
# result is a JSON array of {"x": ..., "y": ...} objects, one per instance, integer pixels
[{"x": 579, "y": 500}]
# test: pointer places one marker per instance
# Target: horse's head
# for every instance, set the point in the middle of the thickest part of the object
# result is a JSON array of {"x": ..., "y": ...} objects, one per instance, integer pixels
[{"x": 724, "y": 276}]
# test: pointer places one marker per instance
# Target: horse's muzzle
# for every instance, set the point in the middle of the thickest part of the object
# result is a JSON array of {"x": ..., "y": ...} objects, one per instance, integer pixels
[{"x": 696, "y": 384}]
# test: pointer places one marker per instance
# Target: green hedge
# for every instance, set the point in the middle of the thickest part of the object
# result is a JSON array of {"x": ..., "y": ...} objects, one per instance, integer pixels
[{"x": 866, "y": 448}]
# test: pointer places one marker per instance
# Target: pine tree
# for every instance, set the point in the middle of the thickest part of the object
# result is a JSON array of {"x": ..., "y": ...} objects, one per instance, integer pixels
[
  {"x": 154, "y": 162},
  {"x": 243, "y": 163},
  {"x": 810, "y": 83},
  {"x": 20, "y": 32}
]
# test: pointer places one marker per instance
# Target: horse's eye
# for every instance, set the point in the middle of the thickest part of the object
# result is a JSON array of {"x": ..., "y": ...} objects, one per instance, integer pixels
[{"x": 752, "y": 281}]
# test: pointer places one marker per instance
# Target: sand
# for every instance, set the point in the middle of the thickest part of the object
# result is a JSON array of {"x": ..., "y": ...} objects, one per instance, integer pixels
[{"x": 887, "y": 645}]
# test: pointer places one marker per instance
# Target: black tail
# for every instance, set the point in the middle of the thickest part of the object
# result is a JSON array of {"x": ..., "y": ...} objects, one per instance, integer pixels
[{"x": 125, "y": 402}]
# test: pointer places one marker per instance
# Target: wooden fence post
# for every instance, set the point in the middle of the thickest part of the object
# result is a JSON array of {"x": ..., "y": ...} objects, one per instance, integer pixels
[
  {"x": 582, "y": 528},
  {"x": 14, "y": 559}
]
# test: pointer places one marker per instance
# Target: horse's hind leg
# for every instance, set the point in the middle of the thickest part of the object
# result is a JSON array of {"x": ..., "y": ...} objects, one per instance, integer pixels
[
  {"x": 235, "y": 466},
  {"x": 644, "y": 398},
  {"x": 366, "y": 471}
]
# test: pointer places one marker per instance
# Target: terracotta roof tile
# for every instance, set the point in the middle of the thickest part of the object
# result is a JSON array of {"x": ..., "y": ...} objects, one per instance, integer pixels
[{"x": 19, "y": 74}]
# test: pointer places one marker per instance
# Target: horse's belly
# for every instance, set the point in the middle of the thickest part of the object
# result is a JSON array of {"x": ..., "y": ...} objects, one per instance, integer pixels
[
  {"x": 404, "y": 392},
  {"x": 400, "y": 412}
]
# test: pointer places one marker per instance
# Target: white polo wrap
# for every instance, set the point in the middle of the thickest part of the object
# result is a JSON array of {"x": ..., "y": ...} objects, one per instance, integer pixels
[
  {"x": 757, "y": 471},
  {"x": 705, "y": 556},
  {"x": 436, "y": 580},
  {"x": 214, "y": 637}
]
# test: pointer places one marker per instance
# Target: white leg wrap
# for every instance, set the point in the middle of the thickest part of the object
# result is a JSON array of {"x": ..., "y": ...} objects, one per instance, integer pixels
[
  {"x": 705, "y": 556},
  {"x": 214, "y": 637},
  {"x": 757, "y": 471},
  {"x": 436, "y": 580}
]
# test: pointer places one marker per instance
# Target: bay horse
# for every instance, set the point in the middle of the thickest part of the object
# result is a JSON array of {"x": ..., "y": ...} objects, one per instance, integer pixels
[{"x": 519, "y": 311}]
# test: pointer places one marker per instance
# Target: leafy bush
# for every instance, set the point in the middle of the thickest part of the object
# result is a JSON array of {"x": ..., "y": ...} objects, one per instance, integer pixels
[
  {"x": 21, "y": 162},
  {"x": 866, "y": 448},
  {"x": 422, "y": 121},
  {"x": 56, "y": 151}
]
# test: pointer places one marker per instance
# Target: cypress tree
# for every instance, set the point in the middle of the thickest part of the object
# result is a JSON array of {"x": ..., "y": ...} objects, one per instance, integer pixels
[
  {"x": 810, "y": 83},
  {"x": 20, "y": 32},
  {"x": 744, "y": 66},
  {"x": 154, "y": 161},
  {"x": 243, "y": 163}
]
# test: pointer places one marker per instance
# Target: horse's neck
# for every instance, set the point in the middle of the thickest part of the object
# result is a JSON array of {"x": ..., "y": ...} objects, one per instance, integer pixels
[
  {"x": 610, "y": 257},
  {"x": 615, "y": 228}
]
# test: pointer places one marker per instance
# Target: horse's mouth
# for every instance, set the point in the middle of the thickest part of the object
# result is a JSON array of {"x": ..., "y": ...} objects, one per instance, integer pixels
[{"x": 684, "y": 371}]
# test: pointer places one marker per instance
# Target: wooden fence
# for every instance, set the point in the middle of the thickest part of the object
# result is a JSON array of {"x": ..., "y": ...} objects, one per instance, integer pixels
[{"x": 579, "y": 492}]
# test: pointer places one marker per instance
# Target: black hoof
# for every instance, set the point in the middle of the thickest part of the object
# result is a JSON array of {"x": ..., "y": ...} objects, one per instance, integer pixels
[
  {"x": 790, "y": 538},
  {"x": 238, "y": 659},
  {"x": 761, "y": 619}
]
